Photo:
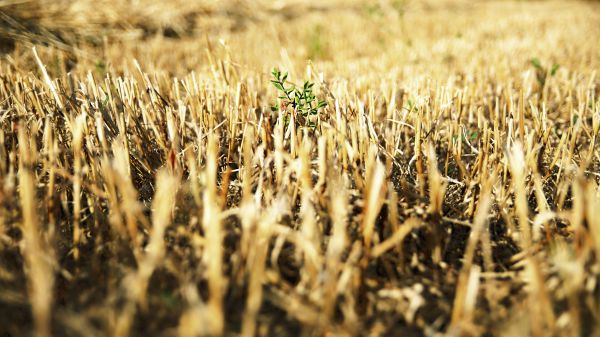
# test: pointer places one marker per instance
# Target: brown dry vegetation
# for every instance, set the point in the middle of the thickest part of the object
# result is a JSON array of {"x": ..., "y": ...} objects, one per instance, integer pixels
[{"x": 449, "y": 188}]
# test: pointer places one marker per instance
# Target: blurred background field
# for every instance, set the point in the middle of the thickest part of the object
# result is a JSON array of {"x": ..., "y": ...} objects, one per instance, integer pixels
[
  {"x": 448, "y": 188},
  {"x": 443, "y": 35}
]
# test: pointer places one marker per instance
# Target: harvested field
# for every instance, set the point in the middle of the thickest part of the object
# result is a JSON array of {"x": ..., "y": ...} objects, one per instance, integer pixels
[{"x": 299, "y": 168}]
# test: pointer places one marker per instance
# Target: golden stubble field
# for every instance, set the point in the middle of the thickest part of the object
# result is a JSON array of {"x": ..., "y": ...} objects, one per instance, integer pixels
[{"x": 152, "y": 183}]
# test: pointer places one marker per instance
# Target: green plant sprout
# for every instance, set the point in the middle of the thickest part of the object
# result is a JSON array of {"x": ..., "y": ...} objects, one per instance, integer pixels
[
  {"x": 541, "y": 72},
  {"x": 302, "y": 99}
]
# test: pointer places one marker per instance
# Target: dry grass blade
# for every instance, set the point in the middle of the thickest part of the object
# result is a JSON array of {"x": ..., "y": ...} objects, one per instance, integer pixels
[
  {"x": 37, "y": 252},
  {"x": 212, "y": 227},
  {"x": 136, "y": 285},
  {"x": 257, "y": 266},
  {"x": 373, "y": 200},
  {"x": 467, "y": 286}
]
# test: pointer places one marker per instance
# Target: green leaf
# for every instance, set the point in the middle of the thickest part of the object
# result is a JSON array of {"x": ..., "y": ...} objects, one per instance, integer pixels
[
  {"x": 554, "y": 69},
  {"x": 536, "y": 63},
  {"x": 301, "y": 98}
]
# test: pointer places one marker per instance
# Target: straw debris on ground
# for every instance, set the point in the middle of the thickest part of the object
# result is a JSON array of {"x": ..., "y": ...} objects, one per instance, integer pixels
[{"x": 152, "y": 182}]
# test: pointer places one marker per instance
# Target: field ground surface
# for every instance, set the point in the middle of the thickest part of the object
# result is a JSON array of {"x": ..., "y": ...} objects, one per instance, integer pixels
[{"x": 417, "y": 168}]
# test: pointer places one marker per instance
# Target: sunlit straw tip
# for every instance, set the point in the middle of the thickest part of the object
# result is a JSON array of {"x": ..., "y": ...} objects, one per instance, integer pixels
[{"x": 517, "y": 158}]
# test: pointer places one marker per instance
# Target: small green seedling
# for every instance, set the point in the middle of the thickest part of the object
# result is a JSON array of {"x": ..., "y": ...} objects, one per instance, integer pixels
[
  {"x": 541, "y": 72},
  {"x": 302, "y": 99},
  {"x": 315, "y": 44}
]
